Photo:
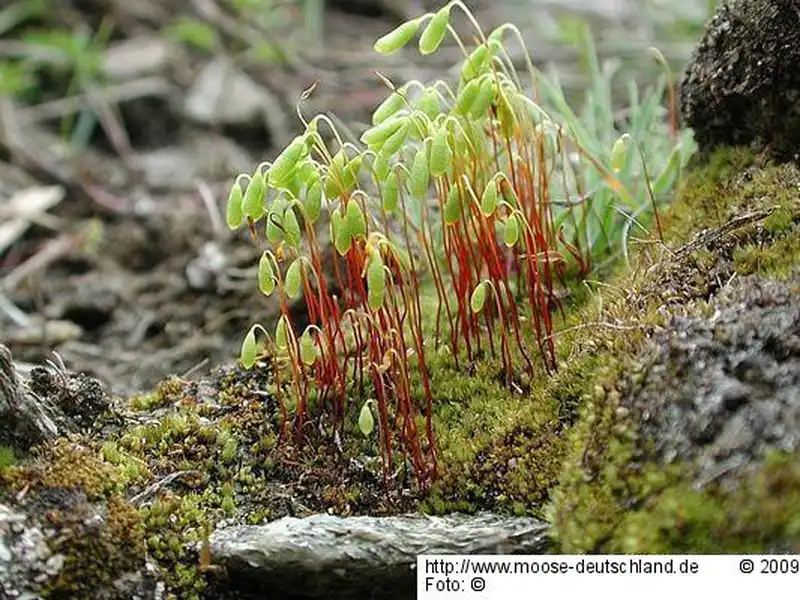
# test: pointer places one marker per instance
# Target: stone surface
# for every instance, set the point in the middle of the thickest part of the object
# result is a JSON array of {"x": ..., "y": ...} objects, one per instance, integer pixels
[
  {"x": 325, "y": 556},
  {"x": 742, "y": 83},
  {"x": 723, "y": 391}
]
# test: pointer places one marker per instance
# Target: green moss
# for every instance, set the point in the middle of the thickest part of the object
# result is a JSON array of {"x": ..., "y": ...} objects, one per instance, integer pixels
[
  {"x": 775, "y": 260},
  {"x": 7, "y": 457},
  {"x": 70, "y": 487},
  {"x": 498, "y": 448},
  {"x": 95, "y": 557},
  {"x": 69, "y": 464},
  {"x": 758, "y": 516},
  {"x": 166, "y": 393}
]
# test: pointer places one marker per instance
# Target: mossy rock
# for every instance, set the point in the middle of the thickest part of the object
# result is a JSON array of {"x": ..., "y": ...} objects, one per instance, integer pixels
[
  {"x": 84, "y": 539},
  {"x": 687, "y": 439}
]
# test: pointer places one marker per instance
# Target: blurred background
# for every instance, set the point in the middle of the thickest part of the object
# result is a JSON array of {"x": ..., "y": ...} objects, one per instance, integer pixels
[{"x": 123, "y": 124}]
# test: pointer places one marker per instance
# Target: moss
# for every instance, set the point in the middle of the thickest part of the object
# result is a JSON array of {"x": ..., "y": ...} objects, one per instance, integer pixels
[
  {"x": 95, "y": 557},
  {"x": 7, "y": 457},
  {"x": 69, "y": 464},
  {"x": 499, "y": 448},
  {"x": 611, "y": 494},
  {"x": 564, "y": 445},
  {"x": 774, "y": 260},
  {"x": 757, "y": 516},
  {"x": 69, "y": 487},
  {"x": 167, "y": 392}
]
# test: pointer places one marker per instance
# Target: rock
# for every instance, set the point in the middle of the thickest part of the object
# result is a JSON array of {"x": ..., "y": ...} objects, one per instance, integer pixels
[
  {"x": 53, "y": 402},
  {"x": 24, "y": 419},
  {"x": 731, "y": 386},
  {"x": 223, "y": 95},
  {"x": 137, "y": 57},
  {"x": 742, "y": 84},
  {"x": 325, "y": 556}
]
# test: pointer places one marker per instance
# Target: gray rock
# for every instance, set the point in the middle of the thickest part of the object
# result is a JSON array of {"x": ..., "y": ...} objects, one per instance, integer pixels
[
  {"x": 224, "y": 95},
  {"x": 742, "y": 84},
  {"x": 137, "y": 57},
  {"x": 25, "y": 420},
  {"x": 325, "y": 556},
  {"x": 740, "y": 373}
]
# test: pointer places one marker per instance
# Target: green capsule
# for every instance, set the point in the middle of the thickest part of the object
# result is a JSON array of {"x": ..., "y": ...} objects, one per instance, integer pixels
[
  {"x": 376, "y": 137},
  {"x": 274, "y": 228},
  {"x": 489, "y": 198},
  {"x": 396, "y": 140},
  {"x": 380, "y": 166},
  {"x": 285, "y": 163},
  {"x": 478, "y": 298},
  {"x": 506, "y": 115},
  {"x": 294, "y": 279},
  {"x": 420, "y": 174},
  {"x": 429, "y": 104},
  {"x": 619, "y": 153},
  {"x": 291, "y": 228},
  {"x": 266, "y": 275},
  {"x": 397, "y": 38},
  {"x": 483, "y": 100},
  {"x": 440, "y": 153},
  {"x": 476, "y": 62},
  {"x": 313, "y": 201},
  {"x": 452, "y": 207},
  {"x": 393, "y": 103},
  {"x": 307, "y": 172},
  {"x": 390, "y": 193},
  {"x": 350, "y": 173},
  {"x": 282, "y": 333},
  {"x": 308, "y": 349},
  {"x": 354, "y": 221},
  {"x": 234, "y": 216},
  {"x": 342, "y": 175},
  {"x": 467, "y": 95},
  {"x": 343, "y": 241},
  {"x": 366, "y": 422},
  {"x": 340, "y": 234},
  {"x": 253, "y": 201},
  {"x": 512, "y": 231},
  {"x": 333, "y": 180},
  {"x": 376, "y": 282},
  {"x": 434, "y": 32},
  {"x": 249, "y": 350}
]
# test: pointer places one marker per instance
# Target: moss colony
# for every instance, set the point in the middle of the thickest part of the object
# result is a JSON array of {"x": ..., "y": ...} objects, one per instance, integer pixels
[{"x": 663, "y": 430}]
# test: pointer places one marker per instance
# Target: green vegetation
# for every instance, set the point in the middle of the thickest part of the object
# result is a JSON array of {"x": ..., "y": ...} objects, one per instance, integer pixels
[
  {"x": 567, "y": 447},
  {"x": 257, "y": 29},
  {"x": 612, "y": 495},
  {"x": 69, "y": 61},
  {"x": 480, "y": 200},
  {"x": 440, "y": 350}
]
